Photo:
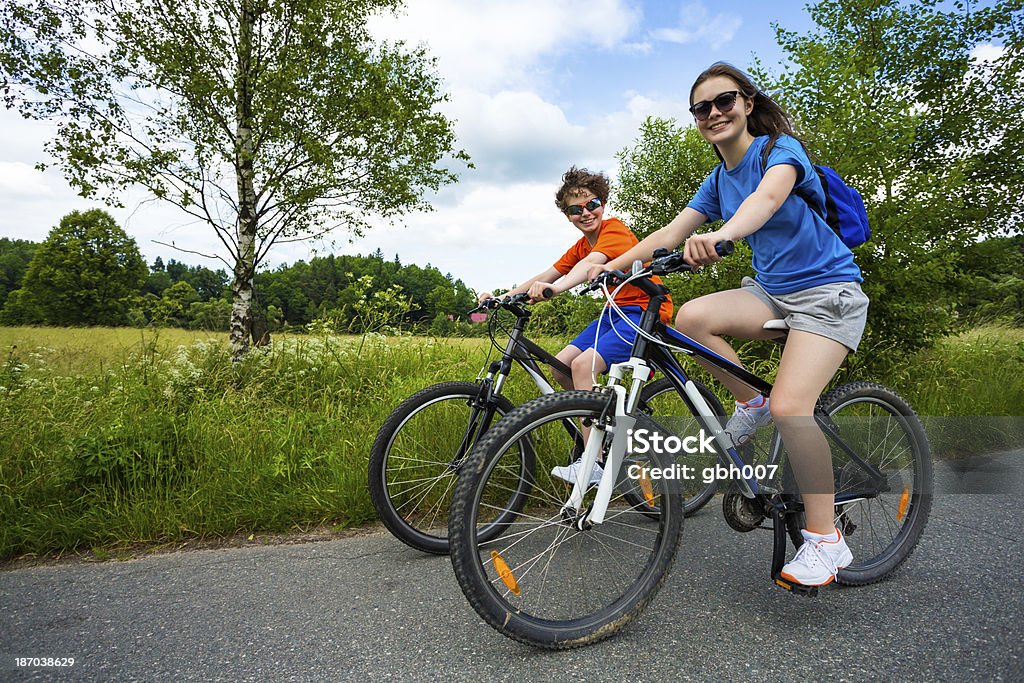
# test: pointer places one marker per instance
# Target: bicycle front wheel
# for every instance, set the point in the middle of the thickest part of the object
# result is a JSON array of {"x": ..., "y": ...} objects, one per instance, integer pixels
[
  {"x": 545, "y": 581},
  {"x": 415, "y": 459},
  {"x": 882, "y": 524}
]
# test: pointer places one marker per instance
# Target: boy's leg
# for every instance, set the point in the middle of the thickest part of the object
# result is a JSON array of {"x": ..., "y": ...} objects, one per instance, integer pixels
[{"x": 567, "y": 356}]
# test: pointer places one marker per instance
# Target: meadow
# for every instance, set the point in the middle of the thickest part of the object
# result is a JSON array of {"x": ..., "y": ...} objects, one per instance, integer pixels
[{"x": 118, "y": 437}]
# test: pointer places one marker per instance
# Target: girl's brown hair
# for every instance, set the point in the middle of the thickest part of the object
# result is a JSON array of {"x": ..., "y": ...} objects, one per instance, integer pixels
[{"x": 767, "y": 118}]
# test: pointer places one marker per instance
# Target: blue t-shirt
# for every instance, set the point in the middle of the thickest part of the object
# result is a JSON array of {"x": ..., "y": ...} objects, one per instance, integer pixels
[{"x": 795, "y": 249}]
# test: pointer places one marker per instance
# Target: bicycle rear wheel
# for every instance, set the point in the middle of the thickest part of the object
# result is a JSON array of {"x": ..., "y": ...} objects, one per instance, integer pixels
[
  {"x": 415, "y": 458},
  {"x": 882, "y": 527},
  {"x": 543, "y": 581}
]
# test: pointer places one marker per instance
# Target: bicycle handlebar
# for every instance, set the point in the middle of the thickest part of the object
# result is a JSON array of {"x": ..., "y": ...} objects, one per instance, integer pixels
[
  {"x": 664, "y": 262},
  {"x": 507, "y": 302}
]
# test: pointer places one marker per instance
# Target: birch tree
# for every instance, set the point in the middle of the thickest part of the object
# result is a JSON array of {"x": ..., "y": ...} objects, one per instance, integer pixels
[{"x": 270, "y": 120}]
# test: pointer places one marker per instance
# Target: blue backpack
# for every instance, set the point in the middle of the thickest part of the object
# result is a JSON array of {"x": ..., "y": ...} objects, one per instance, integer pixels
[{"x": 844, "y": 210}]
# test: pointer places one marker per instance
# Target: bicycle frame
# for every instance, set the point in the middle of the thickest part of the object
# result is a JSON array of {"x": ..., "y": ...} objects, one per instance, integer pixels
[
  {"x": 647, "y": 356},
  {"x": 521, "y": 351}
]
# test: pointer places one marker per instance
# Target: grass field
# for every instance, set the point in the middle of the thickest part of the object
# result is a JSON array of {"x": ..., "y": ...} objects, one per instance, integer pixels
[{"x": 113, "y": 437}]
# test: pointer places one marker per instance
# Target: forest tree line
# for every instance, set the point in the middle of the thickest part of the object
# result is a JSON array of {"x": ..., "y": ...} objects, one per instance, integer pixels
[{"x": 89, "y": 272}]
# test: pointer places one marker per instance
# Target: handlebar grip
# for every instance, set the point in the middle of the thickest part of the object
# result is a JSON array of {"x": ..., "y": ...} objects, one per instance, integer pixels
[
  {"x": 548, "y": 292},
  {"x": 725, "y": 248}
]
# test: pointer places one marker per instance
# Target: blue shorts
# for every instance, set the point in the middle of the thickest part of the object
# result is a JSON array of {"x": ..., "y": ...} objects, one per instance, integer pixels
[{"x": 613, "y": 348}]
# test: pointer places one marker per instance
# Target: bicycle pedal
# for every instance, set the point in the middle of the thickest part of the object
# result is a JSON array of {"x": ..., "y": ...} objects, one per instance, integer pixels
[{"x": 797, "y": 588}]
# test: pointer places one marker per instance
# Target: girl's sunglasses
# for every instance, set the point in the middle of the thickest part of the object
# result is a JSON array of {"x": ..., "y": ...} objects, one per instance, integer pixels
[
  {"x": 724, "y": 102},
  {"x": 577, "y": 209}
]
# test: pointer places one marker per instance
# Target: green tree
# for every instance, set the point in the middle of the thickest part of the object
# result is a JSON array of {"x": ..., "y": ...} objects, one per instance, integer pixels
[
  {"x": 213, "y": 315},
  {"x": 660, "y": 173},
  {"x": 272, "y": 121},
  {"x": 15, "y": 256},
  {"x": 86, "y": 272},
  {"x": 173, "y": 308}
]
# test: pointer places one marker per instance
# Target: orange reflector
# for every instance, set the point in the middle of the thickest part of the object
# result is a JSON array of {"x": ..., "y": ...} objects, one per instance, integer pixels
[
  {"x": 783, "y": 584},
  {"x": 904, "y": 500},
  {"x": 505, "y": 573},
  {"x": 645, "y": 486}
]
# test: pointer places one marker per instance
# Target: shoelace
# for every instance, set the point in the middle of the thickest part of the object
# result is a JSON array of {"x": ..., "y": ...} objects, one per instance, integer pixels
[{"x": 814, "y": 549}]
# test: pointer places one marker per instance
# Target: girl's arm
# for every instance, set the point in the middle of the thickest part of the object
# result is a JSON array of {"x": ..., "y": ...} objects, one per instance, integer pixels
[
  {"x": 669, "y": 237},
  {"x": 752, "y": 214}
]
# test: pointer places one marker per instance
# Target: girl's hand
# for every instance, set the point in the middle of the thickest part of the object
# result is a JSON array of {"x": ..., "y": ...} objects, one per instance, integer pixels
[
  {"x": 699, "y": 250},
  {"x": 483, "y": 296}
]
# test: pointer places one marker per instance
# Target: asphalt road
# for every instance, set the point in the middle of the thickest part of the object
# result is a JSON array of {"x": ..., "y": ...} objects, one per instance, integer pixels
[{"x": 368, "y": 608}]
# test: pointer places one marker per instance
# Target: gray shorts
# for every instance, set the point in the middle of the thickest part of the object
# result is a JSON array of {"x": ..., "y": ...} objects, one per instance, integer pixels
[{"x": 837, "y": 310}]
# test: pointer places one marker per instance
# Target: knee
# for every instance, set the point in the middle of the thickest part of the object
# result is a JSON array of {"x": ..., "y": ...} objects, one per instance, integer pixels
[
  {"x": 582, "y": 363},
  {"x": 784, "y": 404},
  {"x": 692, "y": 320},
  {"x": 583, "y": 371}
]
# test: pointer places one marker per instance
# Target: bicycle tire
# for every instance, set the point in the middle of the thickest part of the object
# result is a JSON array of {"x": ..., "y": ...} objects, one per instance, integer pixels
[
  {"x": 884, "y": 529},
  {"x": 432, "y": 421},
  {"x": 696, "y": 494},
  {"x": 568, "y": 594}
]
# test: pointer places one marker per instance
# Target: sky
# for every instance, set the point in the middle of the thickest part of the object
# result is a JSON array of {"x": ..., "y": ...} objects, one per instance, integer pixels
[{"x": 534, "y": 87}]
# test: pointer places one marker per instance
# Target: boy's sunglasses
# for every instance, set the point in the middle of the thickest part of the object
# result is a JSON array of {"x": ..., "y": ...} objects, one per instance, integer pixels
[
  {"x": 724, "y": 102},
  {"x": 577, "y": 209}
]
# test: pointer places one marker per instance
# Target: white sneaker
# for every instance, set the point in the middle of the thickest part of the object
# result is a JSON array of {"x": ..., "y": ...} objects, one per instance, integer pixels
[
  {"x": 817, "y": 561},
  {"x": 570, "y": 472},
  {"x": 746, "y": 420}
]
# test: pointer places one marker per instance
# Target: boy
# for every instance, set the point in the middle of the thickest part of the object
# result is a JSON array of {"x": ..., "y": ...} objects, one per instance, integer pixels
[{"x": 582, "y": 197}]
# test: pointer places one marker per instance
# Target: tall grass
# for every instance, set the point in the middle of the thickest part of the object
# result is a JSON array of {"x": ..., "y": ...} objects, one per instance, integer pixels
[{"x": 112, "y": 437}]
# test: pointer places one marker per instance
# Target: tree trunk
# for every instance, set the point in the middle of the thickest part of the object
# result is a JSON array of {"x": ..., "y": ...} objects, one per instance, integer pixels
[{"x": 245, "y": 265}]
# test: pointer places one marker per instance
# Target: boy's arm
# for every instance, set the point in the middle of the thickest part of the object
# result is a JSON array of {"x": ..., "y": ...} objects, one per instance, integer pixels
[
  {"x": 576, "y": 276},
  {"x": 546, "y": 277}
]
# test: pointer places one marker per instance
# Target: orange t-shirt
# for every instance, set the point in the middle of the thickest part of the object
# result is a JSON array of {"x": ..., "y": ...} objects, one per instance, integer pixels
[{"x": 613, "y": 240}]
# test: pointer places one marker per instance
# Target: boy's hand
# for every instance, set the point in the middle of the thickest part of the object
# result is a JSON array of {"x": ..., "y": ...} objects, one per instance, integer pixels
[
  {"x": 536, "y": 291},
  {"x": 596, "y": 270}
]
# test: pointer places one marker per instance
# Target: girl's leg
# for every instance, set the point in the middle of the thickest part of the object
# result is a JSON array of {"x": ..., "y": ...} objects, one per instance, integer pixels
[
  {"x": 733, "y": 312},
  {"x": 809, "y": 361}
]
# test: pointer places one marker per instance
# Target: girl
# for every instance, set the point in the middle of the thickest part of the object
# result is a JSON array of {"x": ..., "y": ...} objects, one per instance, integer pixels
[{"x": 804, "y": 274}]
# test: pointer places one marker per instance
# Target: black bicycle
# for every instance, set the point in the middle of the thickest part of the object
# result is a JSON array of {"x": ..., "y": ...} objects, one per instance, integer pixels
[
  {"x": 424, "y": 442},
  {"x": 576, "y": 563}
]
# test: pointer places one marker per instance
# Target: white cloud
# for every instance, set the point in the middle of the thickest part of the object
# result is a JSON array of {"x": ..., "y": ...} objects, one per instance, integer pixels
[
  {"x": 19, "y": 180},
  {"x": 987, "y": 53},
  {"x": 498, "y": 225},
  {"x": 500, "y": 45},
  {"x": 697, "y": 23}
]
